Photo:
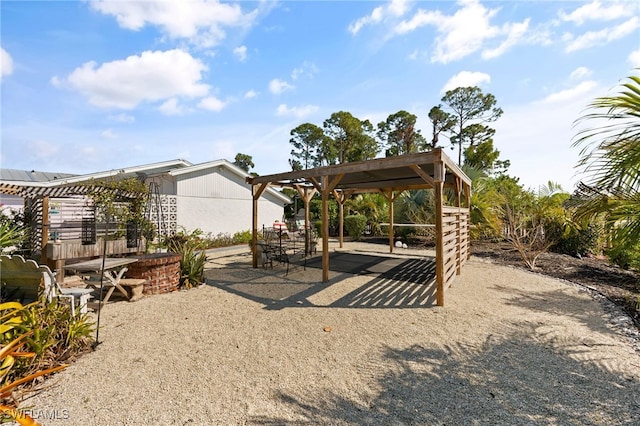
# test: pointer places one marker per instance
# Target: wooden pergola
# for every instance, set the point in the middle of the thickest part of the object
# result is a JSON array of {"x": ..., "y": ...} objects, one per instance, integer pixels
[{"x": 389, "y": 176}]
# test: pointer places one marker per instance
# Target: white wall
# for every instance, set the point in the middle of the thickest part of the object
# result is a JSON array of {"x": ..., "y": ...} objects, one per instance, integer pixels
[{"x": 215, "y": 215}]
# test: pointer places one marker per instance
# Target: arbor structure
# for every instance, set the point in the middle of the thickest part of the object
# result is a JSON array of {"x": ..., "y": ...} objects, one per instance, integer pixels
[
  {"x": 389, "y": 177},
  {"x": 399, "y": 134},
  {"x": 469, "y": 106}
]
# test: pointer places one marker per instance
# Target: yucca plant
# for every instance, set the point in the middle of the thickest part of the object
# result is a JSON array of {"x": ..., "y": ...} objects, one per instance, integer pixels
[{"x": 191, "y": 248}]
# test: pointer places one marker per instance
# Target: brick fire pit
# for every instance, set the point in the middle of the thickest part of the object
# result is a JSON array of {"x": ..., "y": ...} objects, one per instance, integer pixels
[{"x": 160, "y": 270}]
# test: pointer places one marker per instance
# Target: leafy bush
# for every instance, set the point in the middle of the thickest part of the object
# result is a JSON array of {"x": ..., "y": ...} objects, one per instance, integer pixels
[
  {"x": 191, "y": 247},
  {"x": 35, "y": 340},
  {"x": 355, "y": 224},
  {"x": 577, "y": 240},
  {"x": 242, "y": 237},
  {"x": 625, "y": 256}
]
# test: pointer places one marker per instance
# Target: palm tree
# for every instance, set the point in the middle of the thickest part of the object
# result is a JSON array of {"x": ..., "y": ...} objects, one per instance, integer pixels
[{"x": 610, "y": 161}]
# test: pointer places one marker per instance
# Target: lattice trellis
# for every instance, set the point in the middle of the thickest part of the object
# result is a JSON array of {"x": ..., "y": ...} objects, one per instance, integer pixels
[{"x": 164, "y": 214}]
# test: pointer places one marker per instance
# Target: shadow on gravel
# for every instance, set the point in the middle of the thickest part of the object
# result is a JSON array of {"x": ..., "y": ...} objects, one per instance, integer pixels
[
  {"x": 394, "y": 283},
  {"x": 515, "y": 381}
]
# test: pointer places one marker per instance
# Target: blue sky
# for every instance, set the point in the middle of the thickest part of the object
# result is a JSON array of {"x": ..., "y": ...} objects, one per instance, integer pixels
[{"x": 98, "y": 85}]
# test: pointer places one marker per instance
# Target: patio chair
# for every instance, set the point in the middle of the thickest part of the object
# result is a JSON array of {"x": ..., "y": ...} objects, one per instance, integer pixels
[{"x": 28, "y": 279}]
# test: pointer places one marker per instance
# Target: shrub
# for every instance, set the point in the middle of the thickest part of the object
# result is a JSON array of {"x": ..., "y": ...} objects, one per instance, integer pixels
[
  {"x": 355, "y": 224},
  {"x": 35, "y": 340},
  {"x": 191, "y": 248},
  {"x": 625, "y": 256},
  {"x": 578, "y": 241},
  {"x": 242, "y": 237}
]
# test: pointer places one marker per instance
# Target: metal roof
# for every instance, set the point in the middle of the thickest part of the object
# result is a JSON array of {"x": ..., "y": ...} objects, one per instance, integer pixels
[{"x": 31, "y": 175}]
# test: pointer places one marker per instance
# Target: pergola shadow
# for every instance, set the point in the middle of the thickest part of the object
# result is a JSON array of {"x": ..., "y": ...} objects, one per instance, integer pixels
[{"x": 395, "y": 283}]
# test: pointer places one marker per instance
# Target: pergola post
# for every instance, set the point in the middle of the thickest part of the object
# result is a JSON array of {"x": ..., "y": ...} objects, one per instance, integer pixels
[
  {"x": 257, "y": 191},
  {"x": 391, "y": 213},
  {"x": 306, "y": 194},
  {"x": 467, "y": 199},
  {"x": 325, "y": 228},
  {"x": 437, "y": 188},
  {"x": 45, "y": 230}
]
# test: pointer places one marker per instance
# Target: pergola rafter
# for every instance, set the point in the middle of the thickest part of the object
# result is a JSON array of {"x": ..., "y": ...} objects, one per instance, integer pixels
[{"x": 389, "y": 176}]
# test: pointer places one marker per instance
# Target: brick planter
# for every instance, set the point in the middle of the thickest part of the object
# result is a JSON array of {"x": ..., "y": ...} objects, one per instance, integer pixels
[{"x": 160, "y": 270}]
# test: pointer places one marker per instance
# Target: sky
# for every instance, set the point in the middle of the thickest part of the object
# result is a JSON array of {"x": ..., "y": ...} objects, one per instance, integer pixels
[{"x": 92, "y": 86}]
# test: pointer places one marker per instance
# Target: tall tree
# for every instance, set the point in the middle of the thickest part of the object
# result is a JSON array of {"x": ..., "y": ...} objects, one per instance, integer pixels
[
  {"x": 306, "y": 140},
  {"x": 348, "y": 139},
  {"x": 244, "y": 161},
  {"x": 441, "y": 122},
  {"x": 400, "y": 135},
  {"x": 468, "y": 106}
]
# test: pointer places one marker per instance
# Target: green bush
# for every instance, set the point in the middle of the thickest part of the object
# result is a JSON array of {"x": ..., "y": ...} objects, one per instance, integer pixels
[
  {"x": 242, "y": 237},
  {"x": 191, "y": 247},
  {"x": 355, "y": 224},
  {"x": 626, "y": 256},
  {"x": 577, "y": 241}
]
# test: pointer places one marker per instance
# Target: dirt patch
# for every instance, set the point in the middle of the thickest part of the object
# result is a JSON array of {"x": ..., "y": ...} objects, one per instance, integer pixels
[{"x": 618, "y": 285}]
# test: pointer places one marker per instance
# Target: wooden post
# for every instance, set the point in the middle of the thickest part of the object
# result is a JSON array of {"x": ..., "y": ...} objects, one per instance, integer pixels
[
  {"x": 45, "y": 230},
  {"x": 341, "y": 222},
  {"x": 458, "y": 227},
  {"x": 467, "y": 199},
  {"x": 325, "y": 228},
  {"x": 438, "y": 186},
  {"x": 391, "y": 200},
  {"x": 257, "y": 193}
]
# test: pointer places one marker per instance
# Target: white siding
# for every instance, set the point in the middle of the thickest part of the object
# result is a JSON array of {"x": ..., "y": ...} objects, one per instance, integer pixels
[
  {"x": 218, "y": 182},
  {"x": 228, "y": 216},
  {"x": 217, "y": 200}
]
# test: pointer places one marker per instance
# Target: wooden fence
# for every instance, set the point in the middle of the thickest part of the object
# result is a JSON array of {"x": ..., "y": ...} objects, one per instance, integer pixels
[{"x": 455, "y": 242}]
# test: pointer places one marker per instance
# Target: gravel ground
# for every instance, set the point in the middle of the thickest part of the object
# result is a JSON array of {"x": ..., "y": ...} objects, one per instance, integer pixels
[{"x": 256, "y": 346}]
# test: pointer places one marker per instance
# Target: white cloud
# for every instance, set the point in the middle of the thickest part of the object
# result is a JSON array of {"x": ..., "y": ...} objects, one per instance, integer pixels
[
  {"x": 596, "y": 11},
  {"x": 42, "y": 149},
  {"x": 395, "y": 8},
  {"x": 515, "y": 33},
  {"x": 580, "y": 73},
  {"x": 307, "y": 69},
  {"x": 466, "y": 79},
  {"x": 6, "y": 63},
  {"x": 634, "y": 59},
  {"x": 171, "y": 107},
  {"x": 201, "y": 22},
  {"x": 212, "y": 103},
  {"x": 152, "y": 76},
  {"x": 566, "y": 95},
  {"x": 122, "y": 118},
  {"x": 109, "y": 134},
  {"x": 277, "y": 86},
  {"x": 240, "y": 53},
  {"x": 606, "y": 35},
  {"x": 466, "y": 31},
  {"x": 251, "y": 94},
  {"x": 298, "y": 112}
]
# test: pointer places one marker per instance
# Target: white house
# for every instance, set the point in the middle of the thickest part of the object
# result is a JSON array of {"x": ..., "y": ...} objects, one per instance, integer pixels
[{"x": 212, "y": 196}]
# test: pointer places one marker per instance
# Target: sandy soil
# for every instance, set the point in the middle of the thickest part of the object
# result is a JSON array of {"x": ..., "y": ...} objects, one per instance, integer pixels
[{"x": 258, "y": 346}]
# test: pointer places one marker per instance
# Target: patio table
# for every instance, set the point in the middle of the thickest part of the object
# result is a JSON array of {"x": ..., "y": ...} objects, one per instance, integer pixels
[{"x": 114, "y": 268}]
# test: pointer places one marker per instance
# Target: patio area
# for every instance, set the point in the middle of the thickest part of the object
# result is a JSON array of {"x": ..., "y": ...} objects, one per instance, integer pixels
[{"x": 259, "y": 346}]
